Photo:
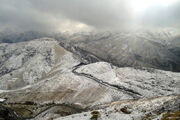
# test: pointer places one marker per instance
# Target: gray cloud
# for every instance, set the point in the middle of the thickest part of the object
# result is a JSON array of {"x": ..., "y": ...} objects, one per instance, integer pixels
[
  {"x": 62, "y": 15},
  {"x": 96, "y": 13},
  {"x": 162, "y": 16}
]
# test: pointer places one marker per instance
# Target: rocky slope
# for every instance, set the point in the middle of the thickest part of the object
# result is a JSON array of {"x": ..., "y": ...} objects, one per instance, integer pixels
[{"x": 51, "y": 82}]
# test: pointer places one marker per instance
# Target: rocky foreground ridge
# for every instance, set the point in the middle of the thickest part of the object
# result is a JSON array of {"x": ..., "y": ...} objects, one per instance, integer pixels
[{"x": 41, "y": 80}]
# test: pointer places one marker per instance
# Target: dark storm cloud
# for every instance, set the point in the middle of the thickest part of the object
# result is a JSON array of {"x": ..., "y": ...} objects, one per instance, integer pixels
[{"x": 53, "y": 15}]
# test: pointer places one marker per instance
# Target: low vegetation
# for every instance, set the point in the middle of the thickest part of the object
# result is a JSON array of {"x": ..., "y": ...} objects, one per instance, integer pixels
[
  {"x": 171, "y": 116},
  {"x": 95, "y": 115}
]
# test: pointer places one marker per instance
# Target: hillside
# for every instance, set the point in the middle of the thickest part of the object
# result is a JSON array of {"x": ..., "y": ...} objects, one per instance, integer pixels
[
  {"x": 158, "y": 50},
  {"x": 155, "y": 49},
  {"x": 51, "y": 82}
]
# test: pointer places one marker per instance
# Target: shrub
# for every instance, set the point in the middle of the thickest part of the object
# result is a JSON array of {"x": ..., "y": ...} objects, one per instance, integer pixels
[{"x": 95, "y": 115}]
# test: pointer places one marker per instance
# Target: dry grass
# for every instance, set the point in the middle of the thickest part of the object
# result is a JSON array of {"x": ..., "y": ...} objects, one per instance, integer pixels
[
  {"x": 59, "y": 51},
  {"x": 171, "y": 116}
]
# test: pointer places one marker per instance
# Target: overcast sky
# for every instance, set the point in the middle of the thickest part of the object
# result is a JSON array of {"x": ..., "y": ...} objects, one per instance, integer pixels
[{"x": 87, "y": 15}]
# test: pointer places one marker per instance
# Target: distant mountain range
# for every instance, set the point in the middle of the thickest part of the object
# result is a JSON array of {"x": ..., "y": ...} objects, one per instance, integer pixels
[{"x": 14, "y": 37}]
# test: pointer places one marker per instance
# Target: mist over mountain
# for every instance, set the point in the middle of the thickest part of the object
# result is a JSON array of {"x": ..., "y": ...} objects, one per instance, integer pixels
[
  {"x": 13, "y": 37},
  {"x": 89, "y": 60}
]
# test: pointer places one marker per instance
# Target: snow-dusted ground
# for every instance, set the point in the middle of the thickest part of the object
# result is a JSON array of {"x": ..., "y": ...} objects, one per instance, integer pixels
[
  {"x": 25, "y": 63},
  {"x": 157, "y": 49},
  {"x": 41, "y": 71},
  {"x": 138, "y": 109},
  {"x": 59, "y": 84},
  {"x": 148, "y": 84},
  {"x": 2, "y": 100}
]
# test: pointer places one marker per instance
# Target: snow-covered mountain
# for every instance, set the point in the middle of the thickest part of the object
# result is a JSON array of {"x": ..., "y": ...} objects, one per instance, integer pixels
[
  {"x": 40, "y": 79},
  {"x": 141, "y": 48},
  {"x": 158, "y": 50}
]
